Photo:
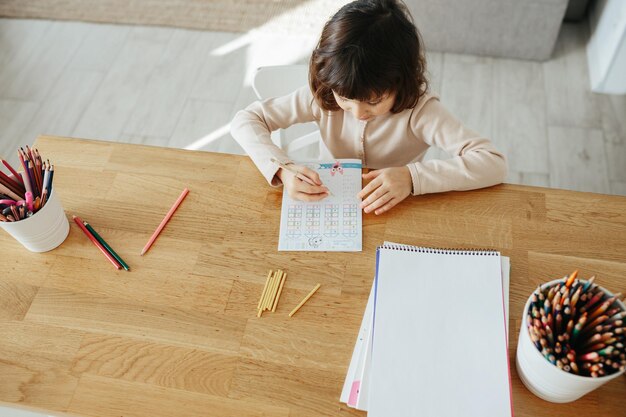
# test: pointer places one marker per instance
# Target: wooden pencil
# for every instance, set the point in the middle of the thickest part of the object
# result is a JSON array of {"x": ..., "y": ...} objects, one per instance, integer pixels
[
  {"x": 280, "y": 290},
  {"x": 166, "y": 219},
  {"x": 7, "y": 191},
  {"x": 267, "y": 281},
  {"x": 264, "y": 293},
  {"x": 267, "y": 293},
  {"x": 272, "y": 291},
  {"x": 13, "y": 171},
  {"x": 117, "y": 257},
  {"x": 295, "y": 310},
  {"x": 91, "y": 237}
]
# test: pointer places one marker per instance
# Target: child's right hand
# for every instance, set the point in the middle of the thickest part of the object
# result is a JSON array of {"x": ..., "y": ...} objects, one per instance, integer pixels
[{"x": 302, "y": 190}]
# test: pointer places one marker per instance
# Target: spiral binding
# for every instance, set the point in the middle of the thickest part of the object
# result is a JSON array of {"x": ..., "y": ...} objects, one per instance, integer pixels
[{"x": 440, "y": 251}]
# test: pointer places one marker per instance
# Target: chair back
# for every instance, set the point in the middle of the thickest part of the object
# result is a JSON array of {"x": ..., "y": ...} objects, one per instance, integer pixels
[{"x": 280, "y": 80}]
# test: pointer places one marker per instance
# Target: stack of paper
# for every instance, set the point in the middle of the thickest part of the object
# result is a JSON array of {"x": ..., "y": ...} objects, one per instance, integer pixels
[{"x": 433, "y": 339}]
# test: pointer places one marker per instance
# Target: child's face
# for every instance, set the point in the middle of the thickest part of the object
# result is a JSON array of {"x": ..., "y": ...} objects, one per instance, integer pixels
[{"x": 366, "y": 110}]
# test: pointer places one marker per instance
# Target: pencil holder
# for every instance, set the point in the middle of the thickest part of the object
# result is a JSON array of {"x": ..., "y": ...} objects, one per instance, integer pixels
[
  {"x": 44, "y": 230},
  {"x": 547, "y": 361}
]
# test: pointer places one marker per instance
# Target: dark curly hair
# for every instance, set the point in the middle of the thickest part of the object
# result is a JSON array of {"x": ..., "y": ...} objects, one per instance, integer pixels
[{"x": 369, "y": 48}]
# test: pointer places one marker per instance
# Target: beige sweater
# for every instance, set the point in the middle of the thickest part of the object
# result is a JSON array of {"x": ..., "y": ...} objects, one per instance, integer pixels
[{"x": 390, "y": 140}]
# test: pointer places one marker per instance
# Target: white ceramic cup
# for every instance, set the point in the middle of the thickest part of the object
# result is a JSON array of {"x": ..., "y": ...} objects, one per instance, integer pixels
[
  {"x": 546, "y": 380},
  {"x": 44, "y": 230}
]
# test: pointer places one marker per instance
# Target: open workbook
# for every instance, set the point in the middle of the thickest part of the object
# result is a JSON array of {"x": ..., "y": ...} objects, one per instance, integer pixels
[
  {"x": 433, "y": 340},
  {"x": 333, "y": 224}
]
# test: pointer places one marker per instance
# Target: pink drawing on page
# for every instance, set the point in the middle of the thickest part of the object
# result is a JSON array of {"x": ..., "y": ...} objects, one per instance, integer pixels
[{"x": 337, "y": 168}]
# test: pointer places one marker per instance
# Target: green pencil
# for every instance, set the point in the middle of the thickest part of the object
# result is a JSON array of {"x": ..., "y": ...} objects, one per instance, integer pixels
[{"x": 106, "y": 245}]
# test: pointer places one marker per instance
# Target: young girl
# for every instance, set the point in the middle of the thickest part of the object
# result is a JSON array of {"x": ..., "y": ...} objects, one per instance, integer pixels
[{"x": 368, "y": 93}]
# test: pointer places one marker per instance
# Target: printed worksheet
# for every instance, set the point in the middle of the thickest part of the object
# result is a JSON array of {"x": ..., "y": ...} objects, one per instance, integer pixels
[{"x": 333, "y": 224}]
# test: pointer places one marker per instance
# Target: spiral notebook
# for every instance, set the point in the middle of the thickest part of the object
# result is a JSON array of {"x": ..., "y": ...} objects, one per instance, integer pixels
[
  {"x": 356, "y": 385},
  {"x": 438, "y": 336}
]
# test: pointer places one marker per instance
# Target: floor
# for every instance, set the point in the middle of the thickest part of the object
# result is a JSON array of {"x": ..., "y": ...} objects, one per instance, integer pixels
[{"x": 180, "y": 88}]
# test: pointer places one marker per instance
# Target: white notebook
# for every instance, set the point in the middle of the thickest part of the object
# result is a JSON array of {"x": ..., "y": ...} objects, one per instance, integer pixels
[
  {"x": 439, "y": 340},
  {"x": 356, "y": 385}
]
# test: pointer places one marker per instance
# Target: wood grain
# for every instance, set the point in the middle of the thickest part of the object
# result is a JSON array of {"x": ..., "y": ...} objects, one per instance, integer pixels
[{"x": 178, "y": 335}]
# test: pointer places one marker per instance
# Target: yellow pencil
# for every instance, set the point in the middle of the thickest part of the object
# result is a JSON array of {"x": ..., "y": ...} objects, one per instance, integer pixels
[
  {"x": 267, "y": 281},
  {"x": 280, "y": 290},
  {"x": 305, "y": 300}
]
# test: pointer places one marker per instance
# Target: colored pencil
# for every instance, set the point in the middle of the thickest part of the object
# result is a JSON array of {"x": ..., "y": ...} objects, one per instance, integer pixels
[
  {"x": 578, "y": 322},
  {"x": 107, "y": 246},
  {"x": 91, "y": 237},
  {"x": 295, "y": 310},
  {"x": 7, "y": 191},
  {"x": 8, "y": 181},
  {"x": 10, "y": 168},
  {"x": 168, "y": 216}
]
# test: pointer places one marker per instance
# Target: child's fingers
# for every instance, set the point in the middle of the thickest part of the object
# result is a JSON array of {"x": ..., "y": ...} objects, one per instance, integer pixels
[
  {"x": 304, "y": 187},
  {"x": 372, "y": 174},
  {"x": 308, "y": 172},
  {"x": 373, "y": 197},
  {"x": 388, "y": 206},
  {"x": 378, "y": 203},
  {"x": 369, "y": 188},
  {"x": 310, "y": 197}
]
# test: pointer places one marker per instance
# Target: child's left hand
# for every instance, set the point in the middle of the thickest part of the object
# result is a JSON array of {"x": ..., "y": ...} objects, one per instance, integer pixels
[{"x": 387, "y": 187}]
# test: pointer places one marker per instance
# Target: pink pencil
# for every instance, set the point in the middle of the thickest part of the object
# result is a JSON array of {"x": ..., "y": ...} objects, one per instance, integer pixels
[
  {"x": 167, "y": 218},
  {"x": 91, "y": 237}
]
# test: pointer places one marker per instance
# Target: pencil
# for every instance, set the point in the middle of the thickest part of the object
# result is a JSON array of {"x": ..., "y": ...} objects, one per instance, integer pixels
[
  {"x": 107, "y": 246},
  {"x": 295, "y": 310},
  {"x": 267, "y": 281},
  {"x": 266, "y": 288},
  {"x": 7, "y": 191},
  {"x": 298, "y": 174},
  {"x": 167, "y": 217},
  {"x": 18, "y": 188},
  {"x": 565, "y": 334},
  {"x": 294, "y": 171},
  {"x": 91, "y": 237},
  {"x": 13, "y": 171},
  {"x": 270, "y": 291},
  {"x": 280, "y": 290}
]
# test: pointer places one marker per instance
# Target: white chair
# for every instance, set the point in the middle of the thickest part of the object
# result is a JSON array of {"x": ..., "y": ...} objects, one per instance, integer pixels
[{"x": 280, "y": 80}]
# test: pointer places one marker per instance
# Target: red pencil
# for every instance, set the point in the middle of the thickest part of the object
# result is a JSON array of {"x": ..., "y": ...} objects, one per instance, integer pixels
[
  {"x": 10, "y": 168},
  {"x": 168, "y": 216},
  {"x": 106, "y": 253}
]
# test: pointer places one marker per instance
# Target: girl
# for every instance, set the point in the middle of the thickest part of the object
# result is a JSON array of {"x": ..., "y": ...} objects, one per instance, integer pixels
[{"x": 368, "y": 93}]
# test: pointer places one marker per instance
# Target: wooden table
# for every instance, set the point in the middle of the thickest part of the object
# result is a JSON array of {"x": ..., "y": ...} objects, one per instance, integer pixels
[{"x": 179, "y": 336}]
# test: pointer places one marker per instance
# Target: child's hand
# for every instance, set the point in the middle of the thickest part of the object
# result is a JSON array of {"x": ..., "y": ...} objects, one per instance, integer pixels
[
  {"x": 300, "y": 189},
  {"x": 387, "y": 188}
]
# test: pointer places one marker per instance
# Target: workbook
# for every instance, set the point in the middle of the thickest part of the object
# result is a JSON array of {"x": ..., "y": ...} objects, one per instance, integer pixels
[
  {"x": 433, "y": 340},
  {"x": 332, "y": 224}
]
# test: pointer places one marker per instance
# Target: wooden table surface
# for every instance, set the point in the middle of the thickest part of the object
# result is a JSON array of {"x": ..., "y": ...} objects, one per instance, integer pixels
[{"x": 179, "y": 336}]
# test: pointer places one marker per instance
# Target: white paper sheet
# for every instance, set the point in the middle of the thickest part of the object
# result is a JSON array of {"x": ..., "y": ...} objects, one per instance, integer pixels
[
  {"x": 357, "y": 378},
  {"x": 439, "y": 337},
  {"x": 333, "y": 224}
]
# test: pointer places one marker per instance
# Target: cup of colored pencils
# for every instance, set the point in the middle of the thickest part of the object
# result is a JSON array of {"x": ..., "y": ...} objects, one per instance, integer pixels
[
  {"x": 572, "y": 339},
  {"x": 29, "y": 209}
]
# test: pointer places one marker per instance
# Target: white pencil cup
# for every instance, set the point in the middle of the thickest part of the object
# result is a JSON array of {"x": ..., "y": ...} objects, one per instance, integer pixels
[
  {"x": 546, "y": 380},
  {"x": 44, "y": 230}
]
